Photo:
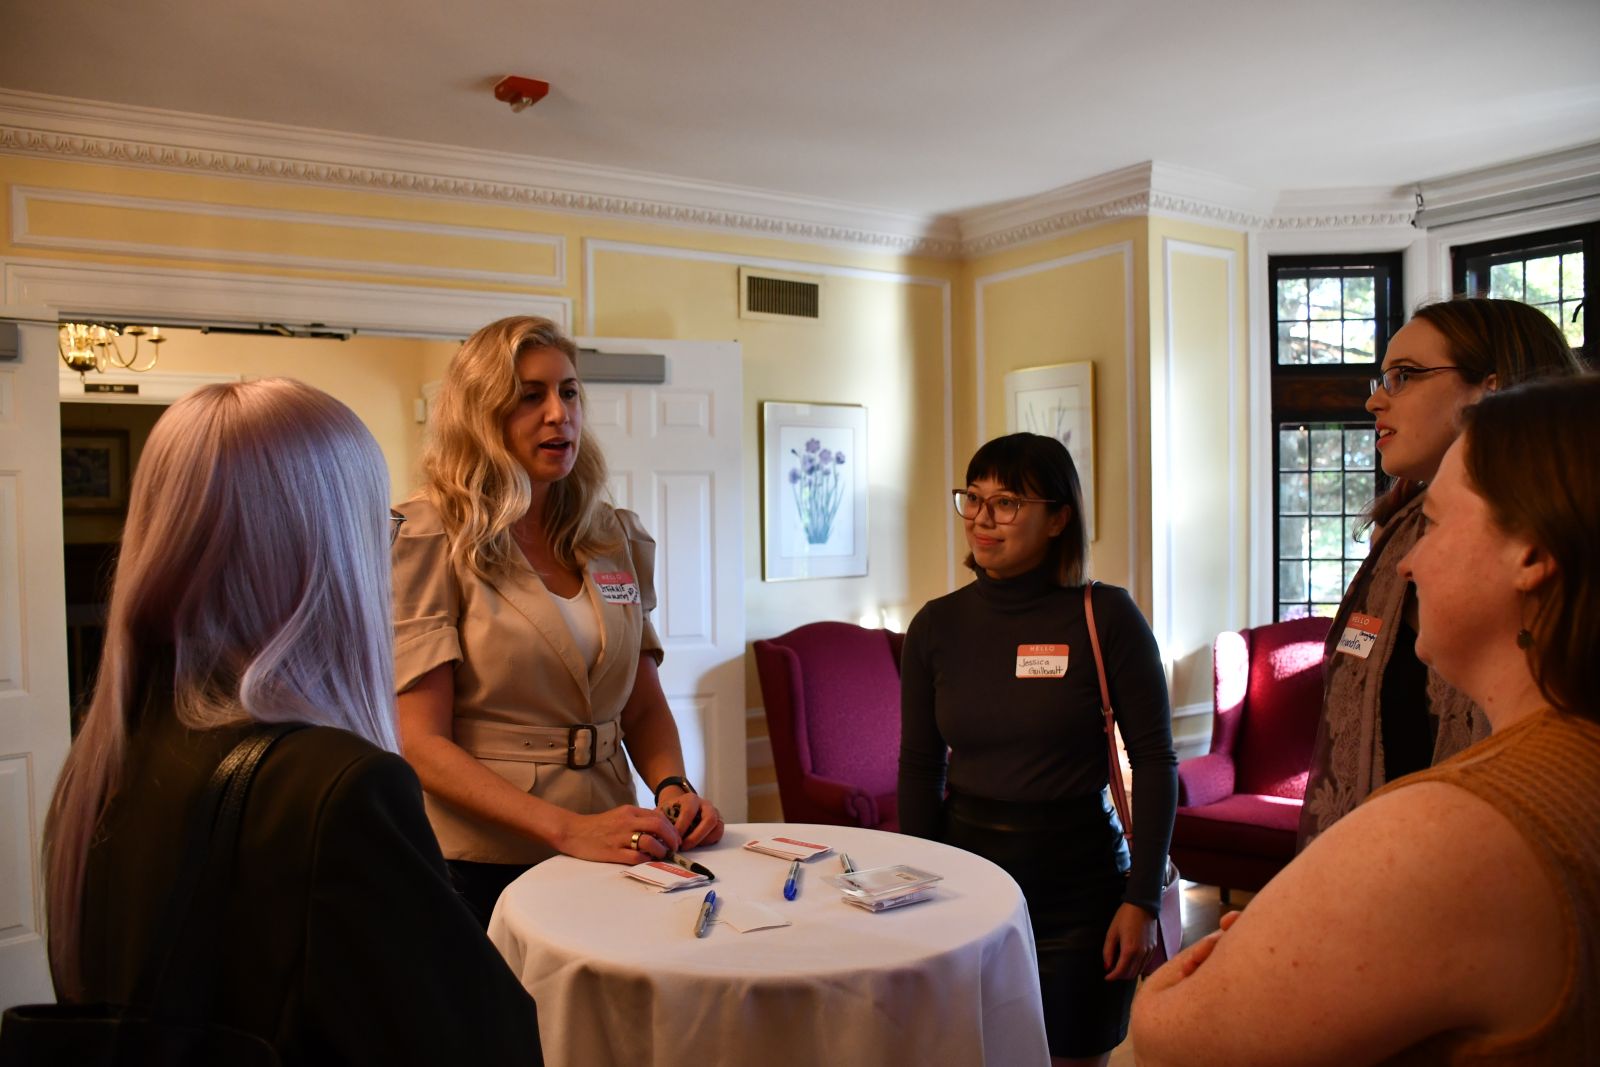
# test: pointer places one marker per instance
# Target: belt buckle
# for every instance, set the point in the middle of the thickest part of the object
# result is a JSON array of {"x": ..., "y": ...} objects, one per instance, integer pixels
[{"x": 572, "y": 745}]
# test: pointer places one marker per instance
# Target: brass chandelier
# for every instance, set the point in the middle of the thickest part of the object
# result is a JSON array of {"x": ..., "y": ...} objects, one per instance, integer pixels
[{"x": 93, "y": 346}]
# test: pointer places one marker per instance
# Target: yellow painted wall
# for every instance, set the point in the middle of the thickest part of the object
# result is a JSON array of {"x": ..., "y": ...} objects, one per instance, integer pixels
[
  {"x": 890, "y": 324},
  {"x": 1070, "y": 299},
  {"x": 880, "y": 343},
  {"x": 1199, "y": 373},
  {"x": 378, "y": 377},
  {"x": 883, "y": 342}
]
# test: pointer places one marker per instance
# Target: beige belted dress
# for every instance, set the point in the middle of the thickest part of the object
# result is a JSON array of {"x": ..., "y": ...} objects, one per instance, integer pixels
[{"x": 526, "y": 705}]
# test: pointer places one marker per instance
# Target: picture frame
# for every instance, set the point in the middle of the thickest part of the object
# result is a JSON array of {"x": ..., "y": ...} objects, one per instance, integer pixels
[
  {"x": 1058, "y": 401},
  {"x": 814, "y": 478},
  {"x": 94, "y": 470}
]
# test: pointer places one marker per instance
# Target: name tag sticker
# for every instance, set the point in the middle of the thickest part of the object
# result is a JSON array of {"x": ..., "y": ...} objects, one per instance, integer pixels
[
  {"x": 617, "y": 587},
  {"x": 1359, "y": 635},
  {"x": 1041, "y": 661}
]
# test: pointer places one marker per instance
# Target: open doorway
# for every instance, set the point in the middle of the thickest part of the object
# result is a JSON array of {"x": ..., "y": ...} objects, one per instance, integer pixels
[
  {"x": 100, "y": 446},
  {"x": 103, "y": 436}
]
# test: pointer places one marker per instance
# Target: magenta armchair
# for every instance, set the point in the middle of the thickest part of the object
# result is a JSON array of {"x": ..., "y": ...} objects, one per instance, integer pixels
[
  {"x": 832, "y": 696},
  {"x": 1239, "y": 805}
]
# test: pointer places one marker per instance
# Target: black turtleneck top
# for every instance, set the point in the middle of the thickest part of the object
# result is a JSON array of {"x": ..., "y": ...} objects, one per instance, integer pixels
[{"x": 966, "y": 716}]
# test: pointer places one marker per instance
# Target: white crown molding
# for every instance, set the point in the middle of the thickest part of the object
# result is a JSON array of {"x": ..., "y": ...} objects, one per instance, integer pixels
[
  {"x": 1358, "y": 208},
  {"x": 1118, "y": 194},
  {"x": 182, "y": 297},
  {"x": 23, "y": 236},
  {"x": 68, "y": 128}
]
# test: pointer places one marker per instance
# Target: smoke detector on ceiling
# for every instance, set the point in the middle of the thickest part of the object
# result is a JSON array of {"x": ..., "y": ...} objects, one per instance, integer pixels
[{"x": 520, "y": 92}]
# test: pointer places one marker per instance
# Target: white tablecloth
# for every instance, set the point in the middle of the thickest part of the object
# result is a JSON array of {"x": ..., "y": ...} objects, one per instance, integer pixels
[{"x": 621, "y": 979}]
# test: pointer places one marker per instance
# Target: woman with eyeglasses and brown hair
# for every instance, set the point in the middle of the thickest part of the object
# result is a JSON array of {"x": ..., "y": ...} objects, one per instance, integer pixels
[
  {"x": 1453, "y": 918},
  {"x": 1385, "y": 713},
  {"x": 1000, "y": 702}
]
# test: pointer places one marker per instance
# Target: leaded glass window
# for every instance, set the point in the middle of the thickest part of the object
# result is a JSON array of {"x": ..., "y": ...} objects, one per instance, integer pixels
[{"x": 1327, "y": 475}]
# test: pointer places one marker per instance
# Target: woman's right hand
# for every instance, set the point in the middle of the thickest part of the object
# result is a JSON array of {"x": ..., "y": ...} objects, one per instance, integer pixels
[{"x": 609, "y": 836}]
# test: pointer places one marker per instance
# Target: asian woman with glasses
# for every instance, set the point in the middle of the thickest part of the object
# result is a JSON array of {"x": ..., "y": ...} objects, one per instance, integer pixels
[
  {"x": 1001, "y": 703},
  {"x": 1385, "y": 713}
]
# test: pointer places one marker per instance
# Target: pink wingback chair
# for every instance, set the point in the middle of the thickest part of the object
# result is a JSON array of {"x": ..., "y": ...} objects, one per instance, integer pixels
[
  {"x": 1239, "y": 805},
  {"x": 832, "y": 696}
]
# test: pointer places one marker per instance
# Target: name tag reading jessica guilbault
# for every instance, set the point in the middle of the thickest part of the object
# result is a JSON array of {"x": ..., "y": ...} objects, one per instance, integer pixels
[
  {"x": 1041, "y": 661},
  {"x": 617, "y": 587}
]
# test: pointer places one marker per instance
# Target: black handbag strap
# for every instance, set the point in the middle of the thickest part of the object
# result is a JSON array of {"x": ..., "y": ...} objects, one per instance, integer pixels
[{"x": 179, "y": 978}]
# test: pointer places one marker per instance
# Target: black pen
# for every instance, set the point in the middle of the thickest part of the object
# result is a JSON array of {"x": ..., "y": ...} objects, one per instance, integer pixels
[{"x": 690, "y": 865}]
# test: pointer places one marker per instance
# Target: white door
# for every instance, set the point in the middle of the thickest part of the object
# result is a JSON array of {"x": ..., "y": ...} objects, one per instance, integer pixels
[
  {"x": 674, "y": 454},
  {"x": 33, "y": 648}
]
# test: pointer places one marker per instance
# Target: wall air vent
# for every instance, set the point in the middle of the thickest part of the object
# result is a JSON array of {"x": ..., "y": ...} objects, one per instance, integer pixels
[{"x": 765, "y": 294}]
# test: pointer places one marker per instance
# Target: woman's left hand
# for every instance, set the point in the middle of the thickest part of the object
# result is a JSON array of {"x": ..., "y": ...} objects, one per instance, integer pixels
[
  {"x": 1129, "y": 942},
  {"x": 709, "y": 832}
]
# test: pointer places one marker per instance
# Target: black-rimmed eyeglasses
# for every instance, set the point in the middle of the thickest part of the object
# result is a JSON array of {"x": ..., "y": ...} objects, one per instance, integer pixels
[
  {"x": 1003, "y": 507},
  {"x": 1394, "y": 379},
  {"x": 396, "y": 520}
]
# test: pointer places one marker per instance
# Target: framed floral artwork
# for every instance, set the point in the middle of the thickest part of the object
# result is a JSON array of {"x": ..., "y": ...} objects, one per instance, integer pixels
[
  {"x": 813, "y": 491},
  {"x": 1058, "y": 401}
]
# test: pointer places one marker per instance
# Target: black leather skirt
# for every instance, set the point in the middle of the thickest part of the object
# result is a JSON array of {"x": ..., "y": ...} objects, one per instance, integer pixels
[{"x": 1071, "y": 862}]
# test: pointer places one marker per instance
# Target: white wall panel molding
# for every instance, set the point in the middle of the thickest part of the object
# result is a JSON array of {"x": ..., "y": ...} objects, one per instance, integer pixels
[
  {"x": 13, "y": 631},
  {"x": 179, "y": 297},
  {"x": 593, "y": 246},
  {"x": 1164, "y": 545},
  {"x": 1132, "y": 420},
  {"x": 66, "y": 128},
  {"x": 24, "y": 236}
]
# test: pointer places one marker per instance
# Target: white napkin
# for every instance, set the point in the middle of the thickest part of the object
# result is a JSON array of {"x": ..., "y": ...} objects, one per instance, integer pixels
[{"x": 746, "y": 915}]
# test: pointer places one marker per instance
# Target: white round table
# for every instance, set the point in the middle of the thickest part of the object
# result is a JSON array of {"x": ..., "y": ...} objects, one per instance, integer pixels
[{"x": 621, "y": 979}]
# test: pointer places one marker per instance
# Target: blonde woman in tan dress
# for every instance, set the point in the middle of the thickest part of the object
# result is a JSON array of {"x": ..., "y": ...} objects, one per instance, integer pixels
[
  {"x": 524, "y": 655},
  {"x": 1454, "y": 918}
]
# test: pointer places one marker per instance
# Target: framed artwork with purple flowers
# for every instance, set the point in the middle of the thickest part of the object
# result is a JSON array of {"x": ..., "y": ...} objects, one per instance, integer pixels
[
  {"x": 1058, "y": 401},
  {"x": 813, "y": 490}
]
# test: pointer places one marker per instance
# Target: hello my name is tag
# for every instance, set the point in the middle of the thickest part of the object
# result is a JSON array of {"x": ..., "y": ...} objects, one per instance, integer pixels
[
  {"x": 1360, "y": 633},
  {"x": 617, "y": 587},
  {"x": 1041, "y": 661}
]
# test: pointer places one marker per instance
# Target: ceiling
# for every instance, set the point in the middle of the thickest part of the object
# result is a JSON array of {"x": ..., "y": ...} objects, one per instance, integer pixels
[{"x": 925, "y": 107}]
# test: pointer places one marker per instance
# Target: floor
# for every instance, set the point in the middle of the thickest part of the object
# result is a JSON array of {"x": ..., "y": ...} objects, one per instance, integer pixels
[{"x": 1202, "y": 910}]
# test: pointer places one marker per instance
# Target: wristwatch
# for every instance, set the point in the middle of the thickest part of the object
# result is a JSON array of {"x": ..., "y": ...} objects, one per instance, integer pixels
[{"x": 673, "y": 779}]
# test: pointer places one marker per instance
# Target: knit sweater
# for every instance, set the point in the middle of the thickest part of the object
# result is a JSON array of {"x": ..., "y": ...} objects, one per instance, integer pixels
[
  {"x": 1034, "y": 739},
  {"x": 1543, "y": 774}
]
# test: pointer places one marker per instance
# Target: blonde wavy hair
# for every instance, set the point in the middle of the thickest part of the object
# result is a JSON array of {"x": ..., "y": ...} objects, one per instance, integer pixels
[
  {"x": 252, "y": 584},
  {"x": 478, "y": 487}
]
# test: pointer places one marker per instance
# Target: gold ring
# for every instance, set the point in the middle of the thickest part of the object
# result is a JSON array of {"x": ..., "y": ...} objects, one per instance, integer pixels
[{"x": 633, "y": 842}]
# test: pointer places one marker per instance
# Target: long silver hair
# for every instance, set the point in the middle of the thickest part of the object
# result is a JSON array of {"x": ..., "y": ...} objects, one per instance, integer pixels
[{"x": 252, "y": 584}]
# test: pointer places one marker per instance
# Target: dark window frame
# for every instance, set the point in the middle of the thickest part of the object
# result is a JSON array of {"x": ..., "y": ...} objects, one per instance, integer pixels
[
  {"x": 1328, "y": 393},
  {"x": 1525, "y": 246}
]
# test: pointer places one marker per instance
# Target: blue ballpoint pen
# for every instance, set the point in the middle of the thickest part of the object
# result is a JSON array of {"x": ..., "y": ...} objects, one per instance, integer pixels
[
  {"x": 705, "y": 913},
  {"x": 791, "y": 885}
]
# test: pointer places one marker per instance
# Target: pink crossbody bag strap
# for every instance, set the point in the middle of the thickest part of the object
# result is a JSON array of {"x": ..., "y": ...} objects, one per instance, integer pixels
[{"x": 1119, "y": 794}]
